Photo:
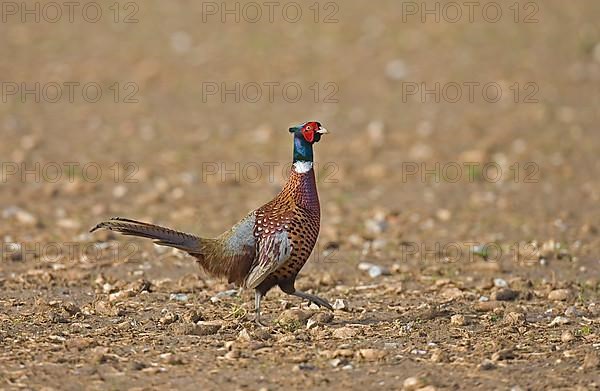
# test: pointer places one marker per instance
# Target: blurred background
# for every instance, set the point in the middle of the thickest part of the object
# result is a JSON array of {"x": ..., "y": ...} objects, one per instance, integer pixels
[{"x": 164, "y": 111}]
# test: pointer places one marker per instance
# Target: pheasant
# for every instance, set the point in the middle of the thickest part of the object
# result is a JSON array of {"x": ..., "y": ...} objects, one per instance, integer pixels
[{"x": 266, "y": 248}]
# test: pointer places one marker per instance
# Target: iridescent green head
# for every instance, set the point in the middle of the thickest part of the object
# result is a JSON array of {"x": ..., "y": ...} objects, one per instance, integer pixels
[{"x": 305, "y": 136}]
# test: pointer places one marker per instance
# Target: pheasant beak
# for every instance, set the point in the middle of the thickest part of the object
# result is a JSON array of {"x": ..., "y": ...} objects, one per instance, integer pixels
[{"x": 322, "y": 130}]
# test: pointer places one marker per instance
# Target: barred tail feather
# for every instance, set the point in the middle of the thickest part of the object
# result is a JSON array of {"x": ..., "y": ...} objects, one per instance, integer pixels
[{"x": 161, "y": 235}]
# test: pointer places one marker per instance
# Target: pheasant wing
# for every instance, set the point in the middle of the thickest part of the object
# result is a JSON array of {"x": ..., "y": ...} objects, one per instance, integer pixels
[{"x": 271, "y": 252}]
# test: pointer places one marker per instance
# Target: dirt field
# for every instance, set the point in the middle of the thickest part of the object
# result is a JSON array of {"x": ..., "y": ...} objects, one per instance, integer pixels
[{"x": 460, "y": 228}]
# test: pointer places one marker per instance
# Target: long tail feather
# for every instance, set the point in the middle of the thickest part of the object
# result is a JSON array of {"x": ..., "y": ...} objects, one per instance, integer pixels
[{"x": 161, "y": 235}]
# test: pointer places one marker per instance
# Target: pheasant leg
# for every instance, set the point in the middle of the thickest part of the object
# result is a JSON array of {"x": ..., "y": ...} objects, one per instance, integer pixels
[{"x": 257, "y": 298}]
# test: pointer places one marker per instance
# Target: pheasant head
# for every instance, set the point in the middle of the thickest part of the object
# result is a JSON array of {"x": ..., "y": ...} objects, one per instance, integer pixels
[{"x": 305, "y": 136}]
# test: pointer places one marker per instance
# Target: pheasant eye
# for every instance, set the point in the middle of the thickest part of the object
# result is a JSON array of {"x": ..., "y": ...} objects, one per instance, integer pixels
[{"x": 308, "y": 128}]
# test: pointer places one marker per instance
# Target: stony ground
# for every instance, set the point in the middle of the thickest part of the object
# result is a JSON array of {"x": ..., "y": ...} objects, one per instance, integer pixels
[{"x": 489, "y": 281}]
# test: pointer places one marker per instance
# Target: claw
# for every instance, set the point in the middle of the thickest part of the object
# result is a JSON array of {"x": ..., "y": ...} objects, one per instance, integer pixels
[{"x": 315, "y": 299}]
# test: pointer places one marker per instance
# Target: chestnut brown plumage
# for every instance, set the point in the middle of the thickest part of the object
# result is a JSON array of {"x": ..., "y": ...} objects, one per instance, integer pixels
[{"x": 266, "y": 248}]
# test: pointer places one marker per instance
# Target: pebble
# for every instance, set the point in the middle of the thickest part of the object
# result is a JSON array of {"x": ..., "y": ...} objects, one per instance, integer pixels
[
  {"x": 486, "y": 306},
  {"x": 68, "y": 224},
  {"x": 572, "y": 312},
  {"x": 443, "y": 214},
  {"x": 374, "y": 270},
  {"x": 500, "y": 283},
  {"x": 344, "y": 333},
  {"x": 438, "y": 355},
  {"x": 168, "y": 318},
  {"x": 487, "y": 365},
  {"x": 413, "y": 383},
  {"x": 119, "y": 191},
  {"x": 371, "y": 354},
  {"x": 559, "y": 295},
  {"x": 181, "y": 42},
  {"x": 514, "y": 318},
  {"x": 294, "y": 316},
  {"x": 341, "y": 304},
  {"x": 458, "y": 320},
  {"x": 336, "y": 362},
  {"x": 396, "y": 69},
  {"x": 227, "y": 293},
  {"x": 452, "y": 293},
  {"x": 375, "y": 130},
  {"x": 178, "y": 297},
  {"x": 322, "y": 317},
  {"x": 559, "y": 320},
  {"x": 504, "y": 294},
  {"x": 244, "y": 335},
  {"x": 21, "y": 215},
  {"x": 504, "y": 354},
  {"x": 192, "y": 316},
  {"x": 567, "y": 336}
]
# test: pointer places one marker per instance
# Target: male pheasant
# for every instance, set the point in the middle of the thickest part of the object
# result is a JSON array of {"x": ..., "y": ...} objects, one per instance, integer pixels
[{"x": 270, "y": 245}]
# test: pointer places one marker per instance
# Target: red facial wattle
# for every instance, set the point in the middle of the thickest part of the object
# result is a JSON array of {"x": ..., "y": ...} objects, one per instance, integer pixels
[{"x": 309, "y": 135}]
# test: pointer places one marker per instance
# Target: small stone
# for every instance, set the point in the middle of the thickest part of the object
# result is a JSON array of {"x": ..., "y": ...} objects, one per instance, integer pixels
[
  {"x": 168, "y": 318},
  {"x": 68, "y": 224},
  {"x": 504, "y": 354},
  {"x": 244, "y": 335},
  {"x": 303, "y": 367},
  {"x": 373, "y": 270},
  {"x": 438, "y": 355},
  {"x": 458, "y": 320},
  {"x": 559, "y": 320},
  {"x": 206, "y": 328},
  {"x": 375, "y": 130},
  {"x": 443, "y": 214},
  {"x": 487, "y": 306},
  {"x": 371, "y": 354},
  {"x": 293, "y": 316},
  {"x": 396, "y": 69},
  {"x": 104, "y": 308},
  {"x": 22, "y": 216},
  {"x": 559, "y": 295},
  {"x": 261, "y": 334},
  {"x": 181, "y": 42},
  {"x": 504, "y": 294},
  {"x": 500, "y": 283},
  {"x": 413, "y": 383},
  {"x": 192, "y": 316},
  {"x": 344, "y": 333},
  {"x": 71, "y": 308},
  {"x": 119, "y": 191},
  {"x": 322, "y": 317},
  {"x": 514, "y": 318},
  {"x": 567, "y": 336},
  {"x": 178, "y": 297},
  {"x": 227, "y": 293},
  {"x": 340, "y": 304},
  {"x": 336, "y": 362},
  {"x": 572, "y": 312},
  {"x": 451, "y": 293},
  {"x": 487, "y": 365}
]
